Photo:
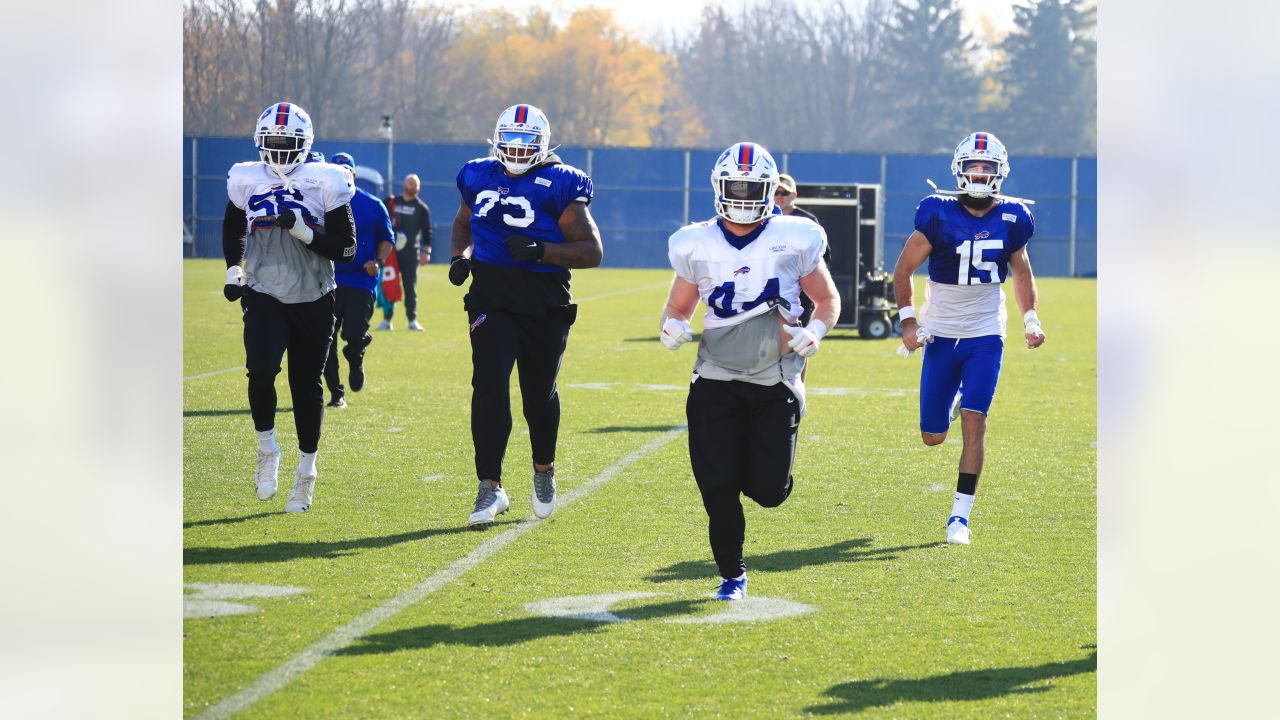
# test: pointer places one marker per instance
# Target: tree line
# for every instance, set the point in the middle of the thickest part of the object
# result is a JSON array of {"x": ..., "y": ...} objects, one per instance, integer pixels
[{"x": 874, "y": 76}]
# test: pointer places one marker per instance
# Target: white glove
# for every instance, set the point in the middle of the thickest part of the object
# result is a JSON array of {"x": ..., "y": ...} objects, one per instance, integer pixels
[
  {"x": 235, "y": 275},
  {"x": 300, "y": 229},
  {"x": 1031, "y": 326},
  {"x": 924, "y": 337},
  {"x": 805, "y": 340},
  {"x": 675, "y": 333}
]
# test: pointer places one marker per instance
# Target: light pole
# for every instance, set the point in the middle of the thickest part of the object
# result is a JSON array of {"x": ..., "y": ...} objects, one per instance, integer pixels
[{"x": 388, "y": 134}]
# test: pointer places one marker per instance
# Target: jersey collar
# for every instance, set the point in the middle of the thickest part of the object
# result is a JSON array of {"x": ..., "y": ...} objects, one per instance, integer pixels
[{"x": 745, "y": 240}]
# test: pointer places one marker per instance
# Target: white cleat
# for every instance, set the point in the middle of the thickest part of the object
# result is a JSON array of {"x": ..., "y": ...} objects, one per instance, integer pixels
[
  {"x": 958, "y": 531},
  {"x": 490, "y": 503},
  {"x": 416, "y": 326},
  {"x": 544, "y": 493},
  {"x": 300, "y": 499},
  {"x": 268, "y": 470},
  {"x": 384, "y": 325}
]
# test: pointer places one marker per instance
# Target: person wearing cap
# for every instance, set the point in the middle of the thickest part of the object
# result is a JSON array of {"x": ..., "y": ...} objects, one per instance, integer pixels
[
  {"x": 411, "y": 220},
  {"x": 357, "y": 280},
  {"x": 784, "y": 197}
]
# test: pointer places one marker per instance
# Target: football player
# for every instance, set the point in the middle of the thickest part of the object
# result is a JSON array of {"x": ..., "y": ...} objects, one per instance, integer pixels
[
  {"x": 746, "y": 396},
  {"x": 522, "y": 224},
  {"x": 973, "y": 238},
  {"x": 357, "y": 278},
  {"x": 296, "y": 217}
]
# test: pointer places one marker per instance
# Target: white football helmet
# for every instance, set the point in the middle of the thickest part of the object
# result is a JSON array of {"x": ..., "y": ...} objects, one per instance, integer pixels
[
  {"x": 984, "y": 147},
  {"x": 522, "y": 138},
  {"x": 744, "y": 179},
  {"x": 283, "y": 136}
]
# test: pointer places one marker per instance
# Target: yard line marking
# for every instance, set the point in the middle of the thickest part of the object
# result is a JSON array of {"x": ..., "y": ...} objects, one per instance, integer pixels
[
  {"x": 352, "y": 631},
  {"x": 628, "y": 291},
  {"x": 211, "y": 374}
]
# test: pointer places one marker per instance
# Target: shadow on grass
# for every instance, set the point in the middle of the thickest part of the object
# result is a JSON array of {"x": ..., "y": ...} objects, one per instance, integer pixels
[
  {"x": 286, "y": 551},
  {"x": 860, "y": 695},
  {"x": 630, "y": 428},
  {"x": 230, "y": 520},
  {"x": 504, "y": 632},
  {"x": 854, "y": 550},
  {"x": 219, "y": 413}
]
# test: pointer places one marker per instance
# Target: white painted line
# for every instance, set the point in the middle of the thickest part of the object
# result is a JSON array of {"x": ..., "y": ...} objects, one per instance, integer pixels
[
  {"x": 429, "y": 478},
  {"x": 592, "y": 385},
  {"x": 395, "y": 429},
  {"x": 208, "y": 600},
  {"x": 650, "y": 386},
  {"x": 594, "y": 608},
  {"x": 749, "y": 609},
  {"x": 211, "y": 374},
  {"x": 628, "y": 291},
  {"x": 349, "y": 633}
]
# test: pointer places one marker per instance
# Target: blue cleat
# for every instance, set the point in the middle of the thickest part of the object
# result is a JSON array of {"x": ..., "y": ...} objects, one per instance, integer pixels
[{"x": 733, "y": 589}]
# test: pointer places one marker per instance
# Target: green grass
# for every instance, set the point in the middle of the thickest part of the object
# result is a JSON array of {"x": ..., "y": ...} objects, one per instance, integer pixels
[{"x": 902, "y": 626}]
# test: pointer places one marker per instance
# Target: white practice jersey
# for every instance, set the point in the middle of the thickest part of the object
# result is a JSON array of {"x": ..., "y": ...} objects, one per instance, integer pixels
[
  {"x": 738, "y": 285},
  {"x": 964, "y": 311},
  {"x": 275, "y": 262}
]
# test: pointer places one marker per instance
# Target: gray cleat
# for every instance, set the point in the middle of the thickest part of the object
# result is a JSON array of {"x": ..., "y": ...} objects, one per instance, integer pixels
[{"x": 544, "y": 492}]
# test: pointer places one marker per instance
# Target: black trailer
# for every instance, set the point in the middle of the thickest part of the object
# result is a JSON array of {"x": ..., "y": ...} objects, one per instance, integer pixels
[{"x": 851, "y": 216}]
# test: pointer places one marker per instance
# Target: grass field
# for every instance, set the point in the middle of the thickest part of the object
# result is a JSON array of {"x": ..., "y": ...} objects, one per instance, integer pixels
[{"x": 399, "y": 611}]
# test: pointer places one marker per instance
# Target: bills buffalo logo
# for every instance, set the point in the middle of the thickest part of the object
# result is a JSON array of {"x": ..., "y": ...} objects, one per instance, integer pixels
[
  {"x": 503, "y": 191},
  {"x": 742, "y": 271},
  {"x": 982, "y": 235},
  {"x": 479, "y": 321}
]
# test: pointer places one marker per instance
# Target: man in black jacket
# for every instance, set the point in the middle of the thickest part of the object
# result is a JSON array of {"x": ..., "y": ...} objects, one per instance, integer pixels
[{"x": 411, "y": 221}]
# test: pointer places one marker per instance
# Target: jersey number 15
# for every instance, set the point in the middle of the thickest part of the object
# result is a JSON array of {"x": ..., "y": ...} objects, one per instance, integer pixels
[{"x": 970, "y": 252}]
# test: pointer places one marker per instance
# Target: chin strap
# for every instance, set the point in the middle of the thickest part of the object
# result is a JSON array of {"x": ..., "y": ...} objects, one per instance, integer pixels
[{"x": 997, "y": 196}]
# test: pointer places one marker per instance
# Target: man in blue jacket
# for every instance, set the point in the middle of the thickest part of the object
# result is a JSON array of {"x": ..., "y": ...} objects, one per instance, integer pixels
[{"x": 357, "y": 279}]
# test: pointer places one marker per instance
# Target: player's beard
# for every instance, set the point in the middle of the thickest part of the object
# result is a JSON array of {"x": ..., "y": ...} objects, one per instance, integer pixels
[{"x": 976, "y": 203}]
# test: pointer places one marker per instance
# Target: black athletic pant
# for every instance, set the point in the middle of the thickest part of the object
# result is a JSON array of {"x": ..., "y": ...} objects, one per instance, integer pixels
[
  {"x": 304, "y": 330},
  {"x": 352, "y": 310},
  {"x": 408, "y": 261},
  {"x": 742, "y": 439},
  {"x": 499, "y": 340}
]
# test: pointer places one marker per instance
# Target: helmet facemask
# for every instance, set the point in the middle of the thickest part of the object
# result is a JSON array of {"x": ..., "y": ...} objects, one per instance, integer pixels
[
  {"x": 744, "y": 179},
  {"x": 980, "y": 147},
  {"x": 283, "y": 136},
  {"x": 743, "y": 200},
  {"x": 519, "y": 150}
]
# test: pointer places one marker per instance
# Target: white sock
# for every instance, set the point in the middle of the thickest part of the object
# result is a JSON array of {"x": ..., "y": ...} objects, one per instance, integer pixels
[
  {"x": 962, "y": 506},
  {"x": 267, "y": 440},
  {"x": 307, "y": 464}
]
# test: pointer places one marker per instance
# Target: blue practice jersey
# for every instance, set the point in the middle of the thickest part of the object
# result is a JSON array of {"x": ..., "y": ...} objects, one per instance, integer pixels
[
  {"x": 528, "y": 205},
  {"x": 970, "y": 250},
  {"x": 373, "y": 226}
]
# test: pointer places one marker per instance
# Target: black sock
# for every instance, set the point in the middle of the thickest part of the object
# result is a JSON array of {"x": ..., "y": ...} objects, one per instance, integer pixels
[{"x": 967, "y": 484}]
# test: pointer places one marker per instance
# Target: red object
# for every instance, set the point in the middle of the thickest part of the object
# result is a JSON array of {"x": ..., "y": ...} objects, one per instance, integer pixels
[{"x": 391, "y": 279}]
